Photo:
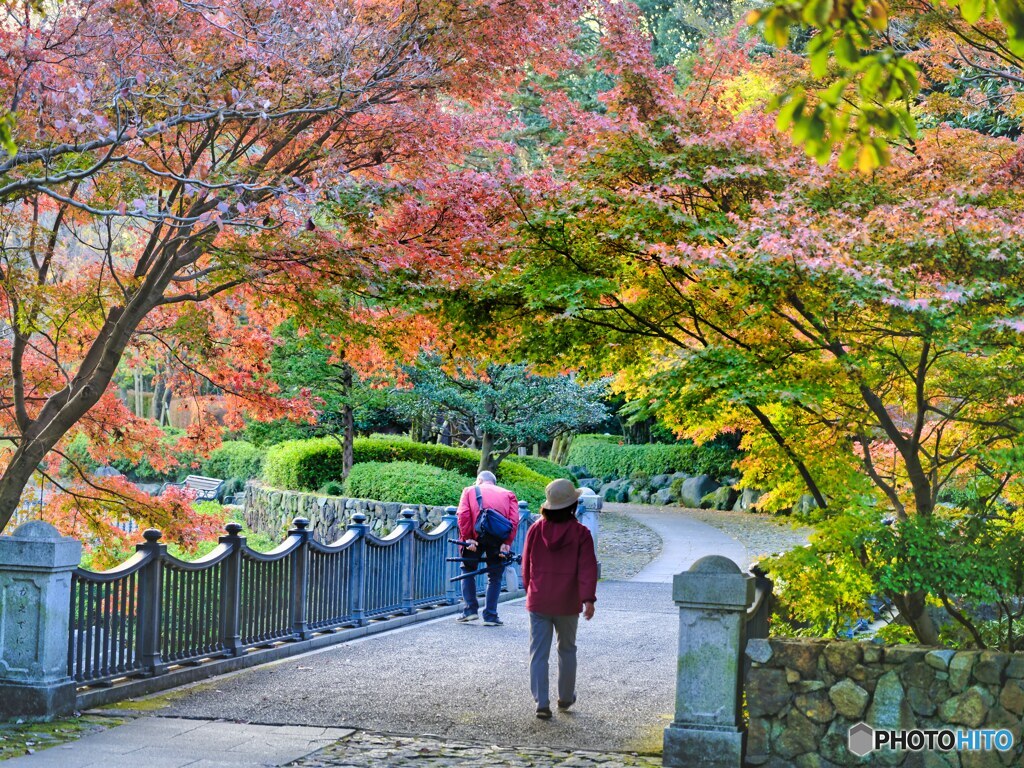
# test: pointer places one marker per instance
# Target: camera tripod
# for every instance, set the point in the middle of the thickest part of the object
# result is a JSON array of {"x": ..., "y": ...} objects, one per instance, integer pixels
[{"x": 505, "y": 560}]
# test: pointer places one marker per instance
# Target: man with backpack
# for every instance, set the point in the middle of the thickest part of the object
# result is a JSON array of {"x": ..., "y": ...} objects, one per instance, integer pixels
[{"x": 488, "y": 519}]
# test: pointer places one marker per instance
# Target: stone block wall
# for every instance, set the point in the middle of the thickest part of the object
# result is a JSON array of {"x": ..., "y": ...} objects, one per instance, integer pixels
[
  {"x": 803, "y": 695},
  {"x": 271, "y": 511}
]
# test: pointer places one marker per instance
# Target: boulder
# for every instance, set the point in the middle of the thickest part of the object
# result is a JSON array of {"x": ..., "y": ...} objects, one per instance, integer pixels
[
  {"x": 592, "y": 483},
  {"x": 747, "y": 500},
  {"x": 800, "y": 736},
  {"x": 664, "y": 496},
  {"x": 805, "y": 504},
  {"x": 801, "y": 655},
  {"x": 990, "y": 666},
  {"x": 969, "y": 708},
  {"x": 661, "y": 481},
  {"x": 849, "y": 699},
  {"x": 608, "y": 491},
  {"x": 960, "y": 668},
  {"x": 889, "y": 707},
  {"x": 693, "y": 491},
  {"x": 1012, "y": 697},
  {"x": 842, "y": 657},
  {"x": 724, "y": 498},
  {"x": 767, "y": 691}
]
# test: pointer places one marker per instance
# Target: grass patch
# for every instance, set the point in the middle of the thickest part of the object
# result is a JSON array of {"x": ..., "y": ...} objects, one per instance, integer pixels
[{"x": 19, "y": 739}]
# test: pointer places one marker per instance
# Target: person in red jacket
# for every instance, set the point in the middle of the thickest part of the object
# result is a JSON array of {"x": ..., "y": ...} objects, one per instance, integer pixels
[
  {"x": 560, "y": 575},
  {"x": 492, "y": 496}
]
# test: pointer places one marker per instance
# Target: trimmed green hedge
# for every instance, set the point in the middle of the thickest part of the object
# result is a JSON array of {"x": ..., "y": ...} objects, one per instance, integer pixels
[
  {"x": 234, "y": 458},
  {"x": 526, "y": 484},
  {"x": 602, "y": 456},
  {"x": 308, "y": 465},
  {"x": 461, "y": 460},
  {"x": 543, "y": 467},
  {"x": 405, "y": 481}
]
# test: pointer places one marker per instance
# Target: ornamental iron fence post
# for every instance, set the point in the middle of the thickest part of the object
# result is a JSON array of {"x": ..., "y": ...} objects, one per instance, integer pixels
[
  {"x": 231, "y": 591},
  {"x": 407, "y": 558},
  {"x": 300, "y": 578},
  {"x": 357, "y": 562},
  {"x": 151, "y": 603},
  {"x": 453, "y": 592}
]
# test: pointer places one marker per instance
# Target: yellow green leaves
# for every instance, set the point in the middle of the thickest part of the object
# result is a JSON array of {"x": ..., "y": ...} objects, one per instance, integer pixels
[
  {"x": 864, "y": 102},
  {"x": 6, "y": 134}
]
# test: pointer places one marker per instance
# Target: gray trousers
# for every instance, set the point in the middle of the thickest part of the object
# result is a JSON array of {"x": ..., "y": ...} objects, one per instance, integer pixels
[{"x": 541, "y": 627}]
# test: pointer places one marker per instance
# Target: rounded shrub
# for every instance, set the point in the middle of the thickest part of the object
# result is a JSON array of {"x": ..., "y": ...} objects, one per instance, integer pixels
[
  {"x": 303, "y": 465},
  {"x": 406, "y": 482},
  {"x": 234, "y": 458},
  {"x": 544, "y": 467},
  {"x": 462, "y": 460}
]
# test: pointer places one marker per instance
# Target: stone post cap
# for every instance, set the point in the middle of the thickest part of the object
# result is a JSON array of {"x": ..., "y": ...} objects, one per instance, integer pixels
[
  {"x": 38, "y": 546},
  {"x": 714, "y": 582}
]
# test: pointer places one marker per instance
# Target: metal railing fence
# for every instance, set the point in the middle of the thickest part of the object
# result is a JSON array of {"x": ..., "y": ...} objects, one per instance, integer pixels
[{"x": 154, "y": 610}]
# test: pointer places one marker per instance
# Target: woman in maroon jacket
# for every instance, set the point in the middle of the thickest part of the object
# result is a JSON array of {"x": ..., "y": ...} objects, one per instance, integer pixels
[{"x": 560, "y": 574}]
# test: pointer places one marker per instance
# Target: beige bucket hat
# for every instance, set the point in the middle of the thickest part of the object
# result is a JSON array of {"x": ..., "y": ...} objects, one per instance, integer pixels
[{"x": 560, "y": 494}]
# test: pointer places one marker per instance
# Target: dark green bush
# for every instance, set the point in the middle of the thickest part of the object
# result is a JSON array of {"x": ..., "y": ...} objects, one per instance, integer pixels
[
  {"x": 234, "y": 458},
  {"x": 333, "y": 488},
  {"x": 603, "y": 456},
  {"x": 526, "y": 484},
  {"x": 405, "y": 481}
]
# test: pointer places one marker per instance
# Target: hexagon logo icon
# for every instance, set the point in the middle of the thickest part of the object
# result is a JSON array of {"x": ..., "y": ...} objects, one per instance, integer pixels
[{"x": 861, "y": 739}]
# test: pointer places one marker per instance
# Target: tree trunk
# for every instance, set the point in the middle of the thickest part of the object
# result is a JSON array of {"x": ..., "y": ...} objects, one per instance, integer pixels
[
  {"x": 348, "y": 422},
  {"x": 156, "y": 408},
  {"x": 560, "y": 448},
  {"x": 913, "y": 608},
  {"x": 486, "y": 453},
  {"x": 138, "y": 394}
]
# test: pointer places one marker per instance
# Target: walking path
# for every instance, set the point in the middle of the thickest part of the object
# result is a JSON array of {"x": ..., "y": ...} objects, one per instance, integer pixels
[{"x": 436, "y": 693}]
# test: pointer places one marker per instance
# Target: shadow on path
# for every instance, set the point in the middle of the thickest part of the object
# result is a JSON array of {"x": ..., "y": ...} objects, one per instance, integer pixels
[{"x": 470, "y": 682}]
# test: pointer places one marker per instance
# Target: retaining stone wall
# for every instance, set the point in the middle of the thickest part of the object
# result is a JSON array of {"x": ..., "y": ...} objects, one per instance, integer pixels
[
  {"x": 803, "y": 696},
  {"x": 271, "y": 511}
]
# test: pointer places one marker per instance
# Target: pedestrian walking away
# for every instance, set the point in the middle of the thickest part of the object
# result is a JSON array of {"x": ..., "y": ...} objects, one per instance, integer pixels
[
  {"x": 560, "y": 575},
  {"x": 479, "y": 505}
]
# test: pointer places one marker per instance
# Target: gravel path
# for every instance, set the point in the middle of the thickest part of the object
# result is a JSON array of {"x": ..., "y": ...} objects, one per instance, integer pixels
[
  {"x": 625, "y": 546},
  {"x": 760, "y": 534}
]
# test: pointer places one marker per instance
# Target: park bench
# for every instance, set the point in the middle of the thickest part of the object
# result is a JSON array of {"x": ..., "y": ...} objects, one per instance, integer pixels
[{"x": 206, "y": 488}]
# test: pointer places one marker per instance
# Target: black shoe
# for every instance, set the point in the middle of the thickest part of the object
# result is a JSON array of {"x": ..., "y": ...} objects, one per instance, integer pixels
[
  {"x": 494, "y": 623},
  {"x": 544, "y": 713},
  {"x": 467, "y": 617},
  {"x": 566, "y": 704}
]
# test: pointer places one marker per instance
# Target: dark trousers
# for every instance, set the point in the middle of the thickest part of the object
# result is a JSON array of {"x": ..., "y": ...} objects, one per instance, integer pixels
[{"x": 495, "y": 574}]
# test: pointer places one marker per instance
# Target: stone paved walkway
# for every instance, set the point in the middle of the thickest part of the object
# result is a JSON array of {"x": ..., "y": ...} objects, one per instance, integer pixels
[{"x": 371, "y": 750}]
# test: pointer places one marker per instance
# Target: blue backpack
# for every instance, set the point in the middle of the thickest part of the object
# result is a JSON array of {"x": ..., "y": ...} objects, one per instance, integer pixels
[{"x": 490, "y": 523}]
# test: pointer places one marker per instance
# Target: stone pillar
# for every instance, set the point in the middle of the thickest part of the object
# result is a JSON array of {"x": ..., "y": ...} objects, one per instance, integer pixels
[
  {"x": 707, "y": 732},
  {"x": 35, "y": 598}
]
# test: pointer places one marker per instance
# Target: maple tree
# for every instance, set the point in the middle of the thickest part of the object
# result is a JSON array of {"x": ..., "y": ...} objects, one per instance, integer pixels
[
  {"x": 862, "y": 334},
  {"x": 879, "y": 70},
  {"x": 172, "y": 164}
]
